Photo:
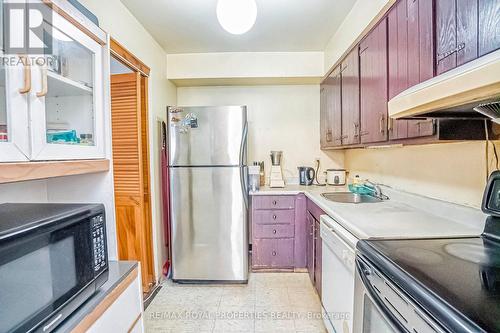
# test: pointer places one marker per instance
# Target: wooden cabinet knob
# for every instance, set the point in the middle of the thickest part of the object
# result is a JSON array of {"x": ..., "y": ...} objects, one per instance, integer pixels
[
  {"x": 274, "y": 253},
  {"x": 274, "y": 217},
  {"x": 274, "y": 231},
  {"x": 274, "y": 202}
]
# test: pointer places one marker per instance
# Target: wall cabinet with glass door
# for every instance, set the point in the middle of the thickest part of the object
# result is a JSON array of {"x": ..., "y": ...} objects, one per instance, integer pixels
[{"x": 54, "y": 109}]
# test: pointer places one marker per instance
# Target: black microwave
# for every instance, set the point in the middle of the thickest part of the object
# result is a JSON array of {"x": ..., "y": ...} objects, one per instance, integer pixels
[{"x": 53, "y": 257}]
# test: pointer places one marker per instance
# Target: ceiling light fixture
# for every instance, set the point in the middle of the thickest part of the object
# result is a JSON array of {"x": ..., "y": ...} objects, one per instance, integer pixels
[{"x": 236, "y": 16}]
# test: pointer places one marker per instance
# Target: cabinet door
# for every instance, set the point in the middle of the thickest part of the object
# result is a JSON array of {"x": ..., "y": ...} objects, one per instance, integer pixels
[
  {"x": 457, "y": 33},
  {"x": 350, "y": 98},
  {"x": 331, "y": 121},
  {"x": 446, "y": 35},
  {"x": 420, "y": 128},
  {"x": 14, "y": 91},
  {"x": 310, "y": 246},
  {"x": 317, "y": 257},
  {"x": 373, "y": 76},
  {"x": 489, "y": 26},
  {"x": 398, "y": 63},
  {"x": 66, "y": 104},
  {"x": 335, "y": 106},
  {"x": 467, "y": 31},
  {"x": 324, "y": 129}
]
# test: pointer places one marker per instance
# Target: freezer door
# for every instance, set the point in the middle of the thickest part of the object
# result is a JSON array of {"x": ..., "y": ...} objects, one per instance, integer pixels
[
  {"x": 209, "y": 223},
  {"x": 207, "y": 136}
]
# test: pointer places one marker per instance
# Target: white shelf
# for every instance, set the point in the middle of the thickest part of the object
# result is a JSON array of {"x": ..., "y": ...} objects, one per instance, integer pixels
[{"x": 62, "y": 86}]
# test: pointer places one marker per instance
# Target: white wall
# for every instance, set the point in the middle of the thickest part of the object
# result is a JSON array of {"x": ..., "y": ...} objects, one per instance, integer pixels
[
  {"x": 117, "y": 20},
  {"x": 280, "y": 118},
  {"x": 362, "y": 14},
  {"x": 245, "y": 65}
]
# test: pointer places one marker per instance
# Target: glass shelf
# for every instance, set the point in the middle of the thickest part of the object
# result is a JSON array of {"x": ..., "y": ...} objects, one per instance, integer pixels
[{"x": 69, "y": 103}]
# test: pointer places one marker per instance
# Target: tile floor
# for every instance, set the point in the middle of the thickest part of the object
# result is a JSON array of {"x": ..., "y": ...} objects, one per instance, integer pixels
[{"x": 270, "y": 303}]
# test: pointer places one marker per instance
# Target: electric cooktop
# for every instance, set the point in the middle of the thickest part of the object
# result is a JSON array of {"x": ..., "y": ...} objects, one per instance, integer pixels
[{"x": 456, "y": 280}]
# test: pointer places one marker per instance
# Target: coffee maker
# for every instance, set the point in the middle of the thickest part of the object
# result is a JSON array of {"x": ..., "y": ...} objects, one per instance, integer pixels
[
  {"x": 306, "y": 175},
  {"x": 276, "y": 179}
]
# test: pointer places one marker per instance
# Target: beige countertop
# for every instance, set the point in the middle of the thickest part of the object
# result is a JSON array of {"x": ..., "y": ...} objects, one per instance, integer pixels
[{"x": 405, "y": 215}]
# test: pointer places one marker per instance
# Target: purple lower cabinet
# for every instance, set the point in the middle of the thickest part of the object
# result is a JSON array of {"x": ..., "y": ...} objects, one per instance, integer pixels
[
  {"x": 310, "y": 246},
  {"x": 317, "y": 257},
  {"x": 300, "y": 231},
  {"x": 273, "y": 253}
]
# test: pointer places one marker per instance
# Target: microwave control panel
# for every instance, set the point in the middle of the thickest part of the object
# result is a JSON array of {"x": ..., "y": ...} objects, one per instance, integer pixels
[{"x": 99, "y": 242}]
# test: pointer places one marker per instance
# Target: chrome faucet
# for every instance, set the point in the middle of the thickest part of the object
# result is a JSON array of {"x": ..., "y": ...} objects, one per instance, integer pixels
[{"x": 378, "y": 190}]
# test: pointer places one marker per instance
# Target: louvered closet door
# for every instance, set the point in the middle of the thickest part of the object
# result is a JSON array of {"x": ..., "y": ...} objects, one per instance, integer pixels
[{"x": 132, "y": 205}]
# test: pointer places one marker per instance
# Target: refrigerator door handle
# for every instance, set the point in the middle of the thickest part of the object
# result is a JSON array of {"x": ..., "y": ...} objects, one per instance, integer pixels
[
  {"x": 243, "y": 146},
  {"x": 244, "y": 184}
]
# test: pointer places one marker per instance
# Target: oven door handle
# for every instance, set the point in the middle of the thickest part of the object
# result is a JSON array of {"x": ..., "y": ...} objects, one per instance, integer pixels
[{"x": 364, "y": 271}]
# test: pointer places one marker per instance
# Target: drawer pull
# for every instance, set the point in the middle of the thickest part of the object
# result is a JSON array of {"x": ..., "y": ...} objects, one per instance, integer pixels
[
  {"x": 274, "y": 217},
  {"x": 274, "y": 231},
  {"x": 274, "y": 253},
  {"x": 274, "y": 202}
]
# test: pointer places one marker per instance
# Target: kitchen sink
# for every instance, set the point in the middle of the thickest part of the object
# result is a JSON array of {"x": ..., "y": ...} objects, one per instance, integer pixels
[{"x": 349, "y": 197}]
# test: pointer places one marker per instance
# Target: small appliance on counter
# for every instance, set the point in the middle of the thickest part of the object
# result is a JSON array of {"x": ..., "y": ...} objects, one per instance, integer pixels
[
  {"x": 53, "y": 258},
  {"x": 276, "y": 179},
  {"x": 306, "y": 175},
  {"x": 336, "y": 177},
  {"x": 254, "y": 177},
  {"x": 432, "y": 285}
]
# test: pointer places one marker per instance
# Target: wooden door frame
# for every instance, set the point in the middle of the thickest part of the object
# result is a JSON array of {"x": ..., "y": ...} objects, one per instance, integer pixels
[{"x": 137, "y": 66}]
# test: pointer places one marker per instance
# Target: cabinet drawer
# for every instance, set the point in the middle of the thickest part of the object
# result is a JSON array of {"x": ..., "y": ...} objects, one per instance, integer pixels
[
  {"x": 121, "y": 315},
  {"x": 273, "y": 253},
  {"x": 274, "y": 216},
  {"x": 273, "y": 231},
  {"x": 274, "y": 202}
]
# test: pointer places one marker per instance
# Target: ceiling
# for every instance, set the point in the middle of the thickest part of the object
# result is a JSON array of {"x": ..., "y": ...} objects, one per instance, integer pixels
[{"x": 191, "y": 26}]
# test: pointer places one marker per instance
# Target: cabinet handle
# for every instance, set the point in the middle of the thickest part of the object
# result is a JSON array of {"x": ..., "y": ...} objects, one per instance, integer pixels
[
  {"x": 274, "y": 253},
  {"x": 27, "y": 75},
  {"x": 328, "y": 135},
  {"x": 390, "y": 125},
  {"x": 446, "y": 54},
  {"x": 382, "y": 123},
  {"x": 45, "y": 88},
  {"x": 274, "y": 202},
  {"x": 274, "y": 217},
  {"x": 274, "y": 231},
  {"x": 356, "y": 129}
]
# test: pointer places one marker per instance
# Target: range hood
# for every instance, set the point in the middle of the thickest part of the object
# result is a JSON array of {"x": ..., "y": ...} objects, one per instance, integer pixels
[{"x": 468, "y": 91}]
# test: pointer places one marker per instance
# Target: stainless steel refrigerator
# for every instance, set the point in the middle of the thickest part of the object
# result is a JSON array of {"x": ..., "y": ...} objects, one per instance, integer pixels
[{"x": 208, "y": 193}]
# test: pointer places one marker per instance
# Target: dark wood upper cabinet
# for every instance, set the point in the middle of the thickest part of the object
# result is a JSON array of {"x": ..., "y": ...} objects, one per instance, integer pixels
[
  {"x": 350, "y": 98},
  {"x": 489, "y": 26},
  {"x": 446, "y": 35},
  {"x": 374, "y": 84},
  {"x": 398, "y": 62},
  {"x": 335, "y": 106},
  {"x": 331, "y": 111},
  {"x": 467, "y": 34},
  {"x": 466, "y": 30},
  {"x": 411, "y": 59}
]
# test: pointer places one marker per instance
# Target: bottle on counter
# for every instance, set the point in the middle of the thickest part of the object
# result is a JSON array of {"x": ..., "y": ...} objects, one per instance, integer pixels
[{"x": 262, "y": 174}]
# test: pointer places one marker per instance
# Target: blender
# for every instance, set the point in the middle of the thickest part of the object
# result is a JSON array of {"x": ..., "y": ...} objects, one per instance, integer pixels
[{"x": 276, "y": 179}]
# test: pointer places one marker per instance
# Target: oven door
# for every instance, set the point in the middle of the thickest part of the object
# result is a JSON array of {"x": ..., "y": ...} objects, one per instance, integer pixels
[
  {"x": 41, "y": 271},
  {"x": 370, "y": 313},
  {"x": 379, "y": 306}
]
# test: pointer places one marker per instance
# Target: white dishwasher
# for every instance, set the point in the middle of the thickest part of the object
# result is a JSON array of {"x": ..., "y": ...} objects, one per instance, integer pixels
[{"x": 338, "y": 266}]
